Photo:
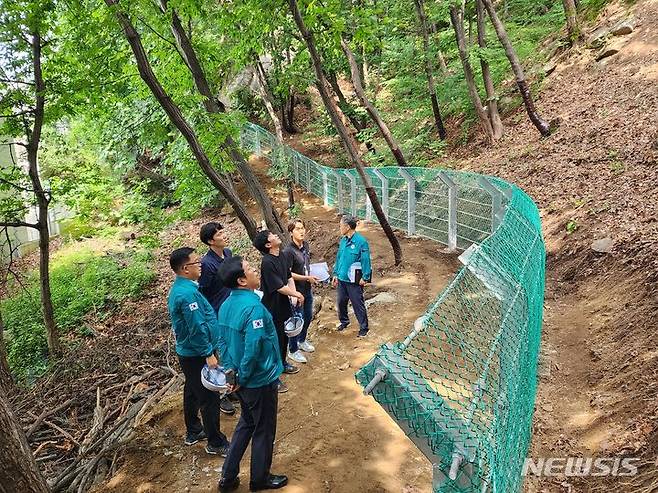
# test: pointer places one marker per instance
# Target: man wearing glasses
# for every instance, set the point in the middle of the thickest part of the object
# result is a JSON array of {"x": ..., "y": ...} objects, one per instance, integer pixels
[{"x": 196, "y": 330}]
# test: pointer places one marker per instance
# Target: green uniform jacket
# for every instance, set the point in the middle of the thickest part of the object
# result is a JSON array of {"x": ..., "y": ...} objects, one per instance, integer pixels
[
  {"x": 350, "y": 250},
  {"x": 247, "y": 340},
  {"x": 193, "y": 319}
]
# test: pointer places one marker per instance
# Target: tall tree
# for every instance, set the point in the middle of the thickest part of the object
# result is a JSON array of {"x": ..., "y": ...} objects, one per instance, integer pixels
[
  {"x": 570, "y": 12},
  {"x": 18, "y": 469},
  {"x": 429, "y": 67},
  {"x": 178, "y": 120},
  {"x": 492, "y": 101},
  {"x": 24, "y": 24},
  {"x": 515, "y": 63},
  {"x": 268, "y": 100},
  {"x": 370, "y": 108},
  {"x": 212, "y": 105},
  {"x": 343, "y": 132},
  {"x": 457, "y": 19}
]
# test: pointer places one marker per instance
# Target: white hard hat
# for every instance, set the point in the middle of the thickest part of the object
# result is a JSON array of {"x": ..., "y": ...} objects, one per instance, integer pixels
[
  {"x": 294, "y": 325},
  {"x": 213, "y": 378}
]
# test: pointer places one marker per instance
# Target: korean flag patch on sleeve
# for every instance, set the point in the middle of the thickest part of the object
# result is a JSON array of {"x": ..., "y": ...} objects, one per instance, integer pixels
[
  {"x": 193, "y": 306},
  {"x": 258, "y": 324}
]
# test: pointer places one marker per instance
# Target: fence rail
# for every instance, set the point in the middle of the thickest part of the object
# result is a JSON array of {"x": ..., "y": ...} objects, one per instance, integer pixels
[{"x": 462, "y": 384}]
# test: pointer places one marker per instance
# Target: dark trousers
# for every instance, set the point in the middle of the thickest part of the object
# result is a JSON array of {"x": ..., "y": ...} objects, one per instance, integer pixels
[
  {"x": 283, "y": 339},
  {"x": 196, "y": 397},
  {"x": 258, "y": 424},
  {"x": 308, "y": 315},
  {"x": 350, "y": 291}
]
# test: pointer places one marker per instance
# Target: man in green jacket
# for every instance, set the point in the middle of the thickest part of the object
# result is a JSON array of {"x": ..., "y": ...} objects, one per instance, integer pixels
[
  {"x": 352, "y": 271},
  {"x": 249, "y": 347},
  {"x": 197, "y": 338}
]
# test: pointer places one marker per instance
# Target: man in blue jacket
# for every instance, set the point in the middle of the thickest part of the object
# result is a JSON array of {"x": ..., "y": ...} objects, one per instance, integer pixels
[
  {"x": 210, "y": 285},
  {"x": 249, "y": 346},
  {"x": 197, "y": 339},
  {"x": 352, "y": 271}
]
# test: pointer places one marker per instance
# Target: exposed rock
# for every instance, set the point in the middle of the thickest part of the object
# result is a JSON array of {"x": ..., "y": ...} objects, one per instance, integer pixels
[
  {"x": 603, "y": 245},
  {"x": 381, "y": 298},
  {"x": 549, "y": 68},
  {"x": 622, "y": 28},
  {"x": 607, "y": 52}
]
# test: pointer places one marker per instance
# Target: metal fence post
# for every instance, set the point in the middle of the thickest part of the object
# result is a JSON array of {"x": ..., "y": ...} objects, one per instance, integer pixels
[
  {"x": 339, "y": 192},
  {"x": 352, "y": 179},
  {"x": 308, "y": 175},
  {"x": 384, "y": 182},
  {"x": 295, "y": 164},
  {"x": 368, "y": 208},
  {"x": 497, "y": 209},
  {"x": 411, "y": 201},
  {"x": 257, "y": 149},
  {"x": 325, "y": 187},
  {"x": 452, "y": 210}
]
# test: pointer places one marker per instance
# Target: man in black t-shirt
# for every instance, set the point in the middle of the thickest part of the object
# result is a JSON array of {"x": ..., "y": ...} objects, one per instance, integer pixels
[
  {"x": 278, "y": 287},
  {"x": 299, "y": 254}
]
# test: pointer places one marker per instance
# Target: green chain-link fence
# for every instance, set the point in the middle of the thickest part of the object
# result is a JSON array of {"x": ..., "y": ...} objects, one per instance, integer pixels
[{"x": 462, "y": 384}]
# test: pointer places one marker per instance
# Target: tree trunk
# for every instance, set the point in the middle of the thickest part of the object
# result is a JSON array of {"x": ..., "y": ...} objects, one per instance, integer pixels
[
  {"x": 288, "y": 112},
  {"x": 492, "y": 103},
  {"x": 6, "y": 380},
  {"x": 268, "y": 101},
  {"x": 212, "y": 105},
  {"x": 458, "y": 24},
  {"x": 43, "y": 200},
  {"x": 524, "y": 89},
  {"x": 346, "y": 137},
  {"x": 572, "y": 20},
  {"x": 347, "y": 110},
  {"x": 179, "y": 121},
  {"x": 442, "y": 63},
  {"x": 370, "y": 108},
  {"x": 18, "y": 469},
  {"x": 420, "y": 12}
]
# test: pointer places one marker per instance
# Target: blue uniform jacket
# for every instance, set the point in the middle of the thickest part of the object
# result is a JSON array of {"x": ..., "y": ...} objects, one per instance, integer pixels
[
  {"x": 351, "y": 250},
  {"x": 210, "y": 284},
  {"x": 193, "y": 319},
  {"x": 248, "y": 343}
]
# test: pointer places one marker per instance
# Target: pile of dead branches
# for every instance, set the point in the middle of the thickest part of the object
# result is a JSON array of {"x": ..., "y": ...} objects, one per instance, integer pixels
[
  {"x": 82, "y": 415},
  {"x": 78, "y": 444}
]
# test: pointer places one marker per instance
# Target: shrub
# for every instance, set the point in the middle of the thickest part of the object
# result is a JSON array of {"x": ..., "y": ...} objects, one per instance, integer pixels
[{"x": 82, "y": 283}]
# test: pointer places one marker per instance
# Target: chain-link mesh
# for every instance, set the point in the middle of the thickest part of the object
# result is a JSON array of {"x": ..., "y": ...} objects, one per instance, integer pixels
[{"x": 462, "y": 384}]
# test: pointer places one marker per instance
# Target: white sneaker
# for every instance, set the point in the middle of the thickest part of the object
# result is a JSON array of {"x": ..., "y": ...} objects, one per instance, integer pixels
[
  {"x": 306, "y": 346},
  {"x": 298, "y": 357}
]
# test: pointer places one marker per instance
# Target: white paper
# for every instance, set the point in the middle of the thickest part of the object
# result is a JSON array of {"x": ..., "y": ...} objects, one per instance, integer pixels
[
  {"x": 320, "y": 270},
  {"x": 352, "y": 272}
]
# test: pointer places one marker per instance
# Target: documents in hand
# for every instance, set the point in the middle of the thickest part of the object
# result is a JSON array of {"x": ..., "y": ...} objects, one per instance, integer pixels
[{"x": 320, "y": 270}]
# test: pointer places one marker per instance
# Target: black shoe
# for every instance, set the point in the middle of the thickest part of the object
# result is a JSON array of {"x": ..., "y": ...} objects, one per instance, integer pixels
[
  {"x": 222, "y": 450},
  {"x": 341, "y": 328},
  {"x": 226, "y": 406},
  {"x": 282, "y": 388},
  {"x": 290, "y": 369},
  {"x": 233, "y": 398},
  {"x": 192, "y": 438},
  {"x": 274, "y": 482},
  {"x": 362, "y": 333},
  {"x": 226, "y": 485}
]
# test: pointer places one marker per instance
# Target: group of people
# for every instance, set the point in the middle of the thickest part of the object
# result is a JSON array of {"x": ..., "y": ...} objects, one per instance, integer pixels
[{"x": 219, "y": 318}]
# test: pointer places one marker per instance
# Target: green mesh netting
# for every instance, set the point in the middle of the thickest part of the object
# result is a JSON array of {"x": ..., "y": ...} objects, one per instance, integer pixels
[{"x": 462, "y": 384}]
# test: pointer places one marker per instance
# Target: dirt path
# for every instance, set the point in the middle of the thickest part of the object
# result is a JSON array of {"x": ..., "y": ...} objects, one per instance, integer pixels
[{"x": 329, "y": 437}]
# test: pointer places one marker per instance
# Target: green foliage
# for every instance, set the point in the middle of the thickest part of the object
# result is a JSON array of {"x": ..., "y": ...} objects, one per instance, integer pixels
[{"x": 83, "y": 283}]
